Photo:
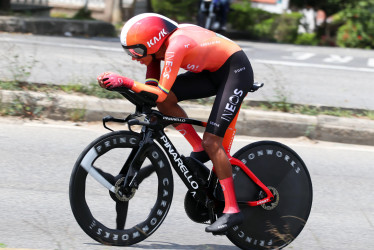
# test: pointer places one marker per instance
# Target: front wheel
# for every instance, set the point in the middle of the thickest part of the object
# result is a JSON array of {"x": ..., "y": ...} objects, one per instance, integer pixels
[
  {"x": 276, "y": 224},
  {"x": 120, "y": 217}
]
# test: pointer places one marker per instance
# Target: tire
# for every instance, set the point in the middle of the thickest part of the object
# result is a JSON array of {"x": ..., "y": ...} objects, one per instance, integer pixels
[
  {"x": 96, "y": 209},
  {"x": 276, "y": 224}
]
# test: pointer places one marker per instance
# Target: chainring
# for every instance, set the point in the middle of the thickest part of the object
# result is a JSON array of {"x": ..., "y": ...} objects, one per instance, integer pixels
[{"x": 196, "y": 211}]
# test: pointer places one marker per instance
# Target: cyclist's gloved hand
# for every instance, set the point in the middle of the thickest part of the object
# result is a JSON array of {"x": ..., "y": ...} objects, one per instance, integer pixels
[
  {"x": 101, "y": 77},
  {"x": 111, "y": 80}
]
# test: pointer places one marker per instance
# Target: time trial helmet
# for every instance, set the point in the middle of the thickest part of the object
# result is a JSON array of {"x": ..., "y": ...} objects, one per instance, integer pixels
[{"x": 144, "y": 34}]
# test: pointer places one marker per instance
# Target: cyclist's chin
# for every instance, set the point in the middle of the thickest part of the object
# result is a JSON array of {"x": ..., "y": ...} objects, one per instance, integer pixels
[{"x": 145, "y": 60}]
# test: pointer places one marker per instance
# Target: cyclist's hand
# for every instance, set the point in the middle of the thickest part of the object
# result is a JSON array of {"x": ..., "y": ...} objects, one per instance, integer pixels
[
  {"x": 111, "y": 80},
  {"x": 101, "y": 77}
]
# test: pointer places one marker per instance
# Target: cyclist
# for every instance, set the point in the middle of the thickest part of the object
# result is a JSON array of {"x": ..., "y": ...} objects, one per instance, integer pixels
[
  {"x": 216, "y": 67},
  {"x": 220, "y": 8}
]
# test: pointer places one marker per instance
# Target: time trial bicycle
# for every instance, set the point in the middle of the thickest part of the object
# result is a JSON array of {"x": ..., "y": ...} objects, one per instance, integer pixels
[{"x": 130, "y": 188}]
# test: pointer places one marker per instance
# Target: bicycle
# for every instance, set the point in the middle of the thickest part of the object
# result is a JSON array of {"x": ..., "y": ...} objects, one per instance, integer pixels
[{"x": 272, "y": 183}]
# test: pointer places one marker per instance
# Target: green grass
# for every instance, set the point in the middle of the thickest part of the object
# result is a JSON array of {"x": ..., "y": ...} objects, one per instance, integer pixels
[
  {"x": 369, "y": 114},
  {"x": 314, "y": 111},
  {"x": 77, "y": 115},
  {"x": 24, "y": 106},
  {"x": 93, "y": 89}
]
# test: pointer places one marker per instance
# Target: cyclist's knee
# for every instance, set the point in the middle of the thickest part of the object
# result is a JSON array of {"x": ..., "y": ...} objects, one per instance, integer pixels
[
  {"x": 170, "y": 101},
  {"x": 162, "y": 106},
  {"x": 211, "y": 143}
]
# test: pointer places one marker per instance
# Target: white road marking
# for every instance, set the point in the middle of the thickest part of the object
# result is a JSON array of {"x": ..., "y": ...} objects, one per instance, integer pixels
[
  {"x": 371, "y": 62},
  {"x": 300, "y": 56},
  {"x": 338, "y": 59},
  {"x": 314, "y": 65}
]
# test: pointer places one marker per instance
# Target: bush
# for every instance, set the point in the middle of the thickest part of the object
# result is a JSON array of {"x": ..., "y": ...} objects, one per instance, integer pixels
[
  {"x": 83, "y": 14},
  {"x": 265, "y": 29},
  {"x": 307, "y": 39},
  {"x": 286, "y": 27},
  {"x": 351, "y": 35},
  {"x": 263, "y": 25},
  {"x": 180, "y": 11},
  {"x": 245, "y": 18},
  {"x": 358, "y": 29}
]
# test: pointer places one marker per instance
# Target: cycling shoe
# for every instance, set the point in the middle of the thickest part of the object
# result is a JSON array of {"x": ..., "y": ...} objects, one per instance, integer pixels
[{"x": 225, "y": 222}]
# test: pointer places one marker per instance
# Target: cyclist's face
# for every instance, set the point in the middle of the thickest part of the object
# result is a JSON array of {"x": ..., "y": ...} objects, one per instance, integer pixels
[
  {"x": 145, "y": 60},
  {"x": 160, "y": 54}
]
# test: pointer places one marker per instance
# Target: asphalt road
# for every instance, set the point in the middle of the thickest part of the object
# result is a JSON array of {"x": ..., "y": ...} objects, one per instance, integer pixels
[
  {"x": 299, "y": 74},
  {"x": 37, "y": 159}
]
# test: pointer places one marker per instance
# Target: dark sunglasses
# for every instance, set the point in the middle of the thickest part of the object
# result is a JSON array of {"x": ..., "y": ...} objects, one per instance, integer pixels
[{"x": 137, "y": 51}]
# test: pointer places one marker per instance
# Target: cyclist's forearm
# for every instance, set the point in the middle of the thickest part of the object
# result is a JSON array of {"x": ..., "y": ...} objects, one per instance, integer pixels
[{"x": 139, "y": 87}]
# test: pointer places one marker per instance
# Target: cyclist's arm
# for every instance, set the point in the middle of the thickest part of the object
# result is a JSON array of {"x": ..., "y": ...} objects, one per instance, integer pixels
[
  {"x": 173, "y": 59},
  {"x": 139, "y": 87},
  {"x": 153, "y": 72}
]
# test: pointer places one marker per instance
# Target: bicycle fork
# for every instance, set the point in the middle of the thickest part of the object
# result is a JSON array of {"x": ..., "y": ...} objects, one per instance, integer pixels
[{"x": 135, "y": 161}]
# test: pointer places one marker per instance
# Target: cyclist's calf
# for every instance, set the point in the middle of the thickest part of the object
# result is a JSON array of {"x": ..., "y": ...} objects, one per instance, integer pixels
[{"x": 212, "y": 145}]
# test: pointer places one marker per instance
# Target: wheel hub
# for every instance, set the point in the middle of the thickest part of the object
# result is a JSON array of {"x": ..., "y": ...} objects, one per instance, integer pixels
[
  {"x": 274, "y": 202},
  {"x": 122, "y": 193}
]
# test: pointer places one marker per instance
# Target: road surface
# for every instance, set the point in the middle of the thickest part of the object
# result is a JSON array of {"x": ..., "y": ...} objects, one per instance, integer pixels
[{"x": 37, "y": 159}]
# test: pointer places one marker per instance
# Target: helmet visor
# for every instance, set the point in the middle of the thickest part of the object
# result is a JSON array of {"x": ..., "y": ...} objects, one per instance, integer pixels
[{"x": 136, "y": 51}]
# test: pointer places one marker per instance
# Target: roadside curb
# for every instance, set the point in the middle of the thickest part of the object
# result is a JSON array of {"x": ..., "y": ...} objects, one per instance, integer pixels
[
  {"x": 250, "y": 122},
  {"x": 56, "y": 26},
  {"x": 73, "y": 27}
]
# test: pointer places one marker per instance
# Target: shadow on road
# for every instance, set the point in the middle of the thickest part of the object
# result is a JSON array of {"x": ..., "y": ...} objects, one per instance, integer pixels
[{"x": 168, "y": 245}]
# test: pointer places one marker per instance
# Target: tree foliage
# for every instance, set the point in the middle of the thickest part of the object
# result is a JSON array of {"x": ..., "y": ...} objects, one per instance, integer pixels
[
  {"x": 329, "y": 6},
  {"x": 263, "y": 25},
  {"x": 5, "y": 5},
  {"x": 358, "y": 28},
  {"x": 180, "y": 11},
  {"x": 354, "y": 19}
]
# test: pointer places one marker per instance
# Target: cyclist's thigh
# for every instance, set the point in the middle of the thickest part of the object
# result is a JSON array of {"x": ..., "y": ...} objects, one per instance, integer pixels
[
  {"x": 236, "y": 78},
  {"x": 190, "y": 85}
]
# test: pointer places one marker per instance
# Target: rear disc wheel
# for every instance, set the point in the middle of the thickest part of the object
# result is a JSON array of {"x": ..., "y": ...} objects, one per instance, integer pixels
[{"x": 275, "y": 224}]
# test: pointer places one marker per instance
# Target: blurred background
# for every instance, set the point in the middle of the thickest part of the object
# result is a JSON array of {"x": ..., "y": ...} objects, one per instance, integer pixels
[
  {"x": 343, "y": 23},
  {"x": 315, "y": 58}
]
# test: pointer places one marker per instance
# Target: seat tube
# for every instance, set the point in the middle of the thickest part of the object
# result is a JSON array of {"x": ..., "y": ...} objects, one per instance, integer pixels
[{"x": 230, "y": 134}]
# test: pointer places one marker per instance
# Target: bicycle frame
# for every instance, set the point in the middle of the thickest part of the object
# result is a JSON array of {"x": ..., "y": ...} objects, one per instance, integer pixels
[
  {"x": 178, "y": 163},
  {"x": 159, "y": 121}
]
